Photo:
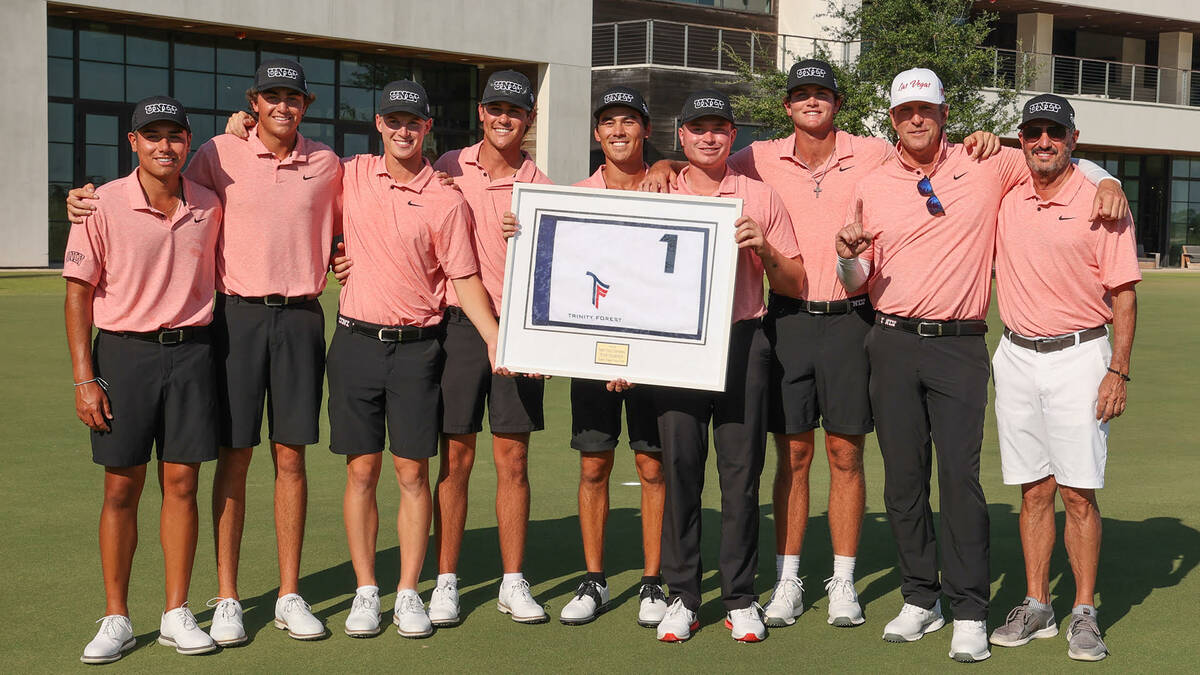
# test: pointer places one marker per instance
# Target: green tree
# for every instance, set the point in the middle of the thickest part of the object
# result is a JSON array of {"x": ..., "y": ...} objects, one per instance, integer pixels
[{"x": 895, "y": 35}]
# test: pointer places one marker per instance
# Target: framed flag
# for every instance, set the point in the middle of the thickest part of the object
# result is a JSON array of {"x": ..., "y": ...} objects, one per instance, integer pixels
[{"x": 606, "y": 284}]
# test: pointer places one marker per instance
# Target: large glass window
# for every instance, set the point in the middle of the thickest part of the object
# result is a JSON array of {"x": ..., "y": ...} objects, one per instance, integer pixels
[
  {"x": 1184, "y": 225},
  {"x": 97, "y": 71}
]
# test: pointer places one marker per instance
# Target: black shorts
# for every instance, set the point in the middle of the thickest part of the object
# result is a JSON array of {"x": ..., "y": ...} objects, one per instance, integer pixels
[
  {"x": 819, "y": 370},
  {"x": 162, "y": 396},
  {"x": 276, "y": 351},
  {"x": 373, "y": 385},
  {"x": 596, "y": 417},
  {"x": 514, "y": 403}
]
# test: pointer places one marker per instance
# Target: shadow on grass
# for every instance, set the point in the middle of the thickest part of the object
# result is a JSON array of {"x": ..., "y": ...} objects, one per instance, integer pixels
[{"x": 1137, "y": 558}]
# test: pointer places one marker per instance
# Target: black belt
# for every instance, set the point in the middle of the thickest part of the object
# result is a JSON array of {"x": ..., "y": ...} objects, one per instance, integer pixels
[
  {"x": 1056, "y": 344},
  {"x": 455, "y": 313},
  {"x": 390, "y": 333},
  {"x": 931, "y": 328},
  {"x": 275, "y": 300},
  {"x": 164, "y": 336},
  {"x": 820, "y": 306}
]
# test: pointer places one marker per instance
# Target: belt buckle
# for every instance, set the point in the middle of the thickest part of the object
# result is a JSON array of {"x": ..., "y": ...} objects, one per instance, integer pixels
[
  {"x": 937, "y": 329},
  {"x": 389, "y": 335},
  {"x": 274, "y": 300},
  {"x": 814, "y": 304},
  {"x": 170, "y": 337}
]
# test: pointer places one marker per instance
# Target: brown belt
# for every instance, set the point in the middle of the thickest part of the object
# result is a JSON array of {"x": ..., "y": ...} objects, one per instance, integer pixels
[{"x": 1056, "y": 344}]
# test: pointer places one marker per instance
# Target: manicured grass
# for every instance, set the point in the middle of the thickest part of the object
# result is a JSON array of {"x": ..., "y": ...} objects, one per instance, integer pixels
[{"x": 52, "y": 585}]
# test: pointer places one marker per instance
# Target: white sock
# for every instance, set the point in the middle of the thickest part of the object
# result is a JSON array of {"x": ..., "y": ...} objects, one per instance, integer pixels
[
  {"x": 511, "y": 578},
  {"x": 366, "y": 590},
  {"x": 402, "y": 591},
  {"x": 447, "y": 578},
  {"x": 843, "y": 566},
  {"x": 788, "y": 567}
]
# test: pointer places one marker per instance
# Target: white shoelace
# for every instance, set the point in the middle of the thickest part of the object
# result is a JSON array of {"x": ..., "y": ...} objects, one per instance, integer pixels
[
  {"x": 520, "y": 590},
  {"x": 364, "y": 602},
  {"x": 189, "y": 620},
  {"x": 791, "y": 588},
  {"x": 292, "y": 602},
  {"x": 409, "y": 603},
  {"x": 914, "y": 610},
  {"x": 840, "y": 588},
  {"x": 676, "y": 609},
  {"x": 108, "y": 624},
  {"x": 224, "y": 607}
]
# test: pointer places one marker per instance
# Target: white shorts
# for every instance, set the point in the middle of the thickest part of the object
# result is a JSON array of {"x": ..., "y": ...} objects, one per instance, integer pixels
[{"x": 1046, "y": 413}]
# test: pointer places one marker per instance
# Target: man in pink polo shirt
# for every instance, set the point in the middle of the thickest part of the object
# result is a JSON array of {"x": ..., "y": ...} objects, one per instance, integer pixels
[
  {"x": 1060, "y": 279},
  {"x": 485, "y": 172},
  {"x": 921, "y": 235},
  {"x": 622, "y": 126},
  {"x": 819, "y": 368},
  {"x": 738, "y": 414},
  {"x": 280, "y": 193},
  {"x": 141, "y": 268},
  {"x": 410, "y": 238}
]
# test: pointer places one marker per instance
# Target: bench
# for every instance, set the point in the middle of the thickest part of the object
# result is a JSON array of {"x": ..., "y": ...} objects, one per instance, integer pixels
[
  {"x": 1146, "y": 260},
  {"x": 1189, "y": 256}
]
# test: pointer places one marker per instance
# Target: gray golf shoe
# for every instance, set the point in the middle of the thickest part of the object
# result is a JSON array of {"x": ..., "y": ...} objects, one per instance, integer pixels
[
  {"x": 1025, "y": 624},
  {"x": 1083, "y": 638}
]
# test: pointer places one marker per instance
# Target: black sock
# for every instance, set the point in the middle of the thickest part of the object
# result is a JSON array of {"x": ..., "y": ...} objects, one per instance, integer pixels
[
  {"x": 654, "y": 580},
  {"x": 597, "y": 577}
]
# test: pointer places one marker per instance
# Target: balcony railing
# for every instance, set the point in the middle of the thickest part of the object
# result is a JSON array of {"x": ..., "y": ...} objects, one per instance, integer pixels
[
  {"x": 1073, "y": 76},
  {"x": 651, "y": 42}
]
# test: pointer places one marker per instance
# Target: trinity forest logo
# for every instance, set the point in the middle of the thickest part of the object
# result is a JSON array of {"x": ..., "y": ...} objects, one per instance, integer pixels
[{"x": 599, "y": 290}]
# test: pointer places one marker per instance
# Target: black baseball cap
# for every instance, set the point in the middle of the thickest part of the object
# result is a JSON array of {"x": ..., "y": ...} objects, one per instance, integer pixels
[
  {"x": 508, "y": 86},
  {"x": 1048, "y": 107},
  {"x": 158, "y": 109},
  {"x": 706, "y": 103},
  {"x": 280, "y": 73},
  {"x": 404, "y": 96},
  {"x": 621, "y": 96},
  {"x": 812, "y": 71}
]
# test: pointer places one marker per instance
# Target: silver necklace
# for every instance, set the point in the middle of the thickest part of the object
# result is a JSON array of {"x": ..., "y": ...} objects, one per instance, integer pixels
[{"x": 825, "y": 172}]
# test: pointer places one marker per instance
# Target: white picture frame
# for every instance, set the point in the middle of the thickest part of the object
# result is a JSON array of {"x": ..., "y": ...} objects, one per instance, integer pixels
[{"x": 607, "y": 284}]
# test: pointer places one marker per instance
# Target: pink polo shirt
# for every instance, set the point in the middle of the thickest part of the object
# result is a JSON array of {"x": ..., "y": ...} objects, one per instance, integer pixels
[
  {"x": 1055, "y": 267},
  {"x": 816, "y": 216},
  {"x": 150, "y": 270},
  {"x": 764, "y": 206},
  {"x": 488, "y": 200},
  {"x": 280, "y": 215},
  {"x": 407, "y": 241},
  {"x": 935, "y": 267},
  {"x": 596, "y": 180}
]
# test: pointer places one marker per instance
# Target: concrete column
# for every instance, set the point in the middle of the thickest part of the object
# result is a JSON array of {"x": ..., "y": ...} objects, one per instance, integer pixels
[
  {"x": 1035, "y": 35},
  {"x": 563, "y": 121},
  {"x": 1175, "y": 59},
  {"x": 1133, "y": 50},
  {"x": 23, "y": 133}
]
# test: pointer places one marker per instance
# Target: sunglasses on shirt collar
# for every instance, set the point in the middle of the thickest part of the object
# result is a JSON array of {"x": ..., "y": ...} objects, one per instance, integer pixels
[{"x": 933, "y": 204}]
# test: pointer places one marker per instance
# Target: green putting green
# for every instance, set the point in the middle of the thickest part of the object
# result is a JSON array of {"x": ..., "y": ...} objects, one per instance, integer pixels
[{"x": 52, "y": 588}]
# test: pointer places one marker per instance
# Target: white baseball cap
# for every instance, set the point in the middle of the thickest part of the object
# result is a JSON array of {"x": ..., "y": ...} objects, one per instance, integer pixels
[{"x": 917, "y": 84}]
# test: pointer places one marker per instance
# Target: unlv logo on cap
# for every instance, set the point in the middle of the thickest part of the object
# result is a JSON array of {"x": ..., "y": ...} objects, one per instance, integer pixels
[
  {"x": 709, "y": 103},
  {"x": 618, "y": 97},
  {"x": 283, "y": 72},
  {"x": 167, "y": 108},
  {"x": 1045, "y": 106},
  {"x": 508, "y": 86},
  {"x": 399, "y": 95}
]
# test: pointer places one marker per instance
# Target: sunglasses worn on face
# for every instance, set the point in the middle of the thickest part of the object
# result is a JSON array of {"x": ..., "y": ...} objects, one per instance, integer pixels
[
  {"x": 933, "y": 204},
  {"x": 1033, "y": 132}
]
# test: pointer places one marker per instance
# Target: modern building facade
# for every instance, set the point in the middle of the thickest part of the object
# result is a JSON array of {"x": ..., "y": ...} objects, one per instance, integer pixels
[
  {"x": 90, "y": 61},
  {"x": 1126, "y": 65}
]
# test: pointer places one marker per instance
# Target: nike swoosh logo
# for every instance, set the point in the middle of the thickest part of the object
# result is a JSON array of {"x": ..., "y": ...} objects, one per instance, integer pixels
[
  {"x": 845, "y": 168},
  {"x": 308, "y": 177},
  {"x": 197, "y": 220},
  {"x": 412, "y": 203},
  {"x": 961, "y": 175},
  {"x": 1066, "y": 217}
]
